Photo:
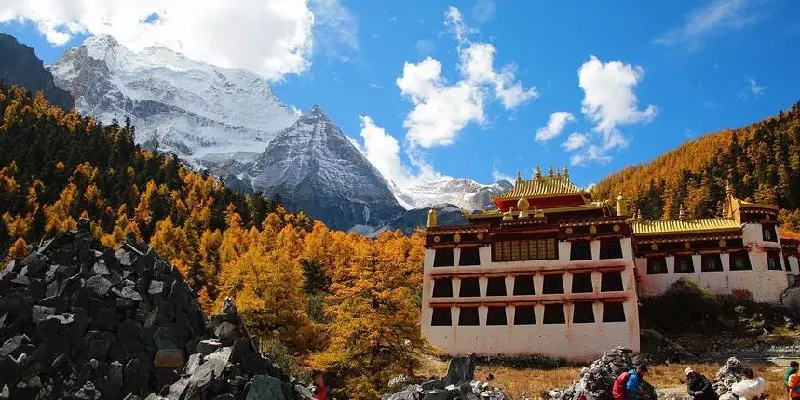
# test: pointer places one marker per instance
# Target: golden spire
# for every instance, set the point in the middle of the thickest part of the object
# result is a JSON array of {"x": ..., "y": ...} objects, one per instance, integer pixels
[
  {"x": 550, "y": 170},
  {"x": 638, "y": 215},
  {"x": 433, "y": 218},
  {"x": 537, "y": 173},
  {"x": 519, "y": 176},
  {"x": 566, "y": 174},
  {"x": 681, "y": 213},
  {"x": 558, "y": 171}
]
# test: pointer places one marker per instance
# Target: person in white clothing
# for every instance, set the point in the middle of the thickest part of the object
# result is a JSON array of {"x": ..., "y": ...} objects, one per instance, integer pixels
[{"x": 749, "y": 388}]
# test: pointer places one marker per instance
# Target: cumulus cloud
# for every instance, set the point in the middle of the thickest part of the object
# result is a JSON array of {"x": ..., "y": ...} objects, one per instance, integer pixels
[
  {"x": 575, "y": 141},
  {"x": 718, "y": 15},
  {"x": 442, "y": 110},
  {"x": 271, "y": 37},
  {"x": 555, "y": 125},
  {"x": 383, "y": 151},
  {"x": 609, "y": 102}
]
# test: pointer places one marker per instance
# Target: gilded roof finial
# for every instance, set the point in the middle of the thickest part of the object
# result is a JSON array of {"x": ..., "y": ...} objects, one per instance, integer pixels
[
  {"x": 519, "y": 176},
  {"x": 566, "y": 174},
  {"x": 537, "y": 173},
  {"x": 538, "y": 213},
  {"x": 681, "y": 213},
  {"x": 550, "y": 170},
  {"x": 523, "y": 204},
  {"x": 433, "y": 218},
  {"x": 509, "y": 215},
  {"x": 558, "y": 171},
  {"x": 638, "y": 215}
]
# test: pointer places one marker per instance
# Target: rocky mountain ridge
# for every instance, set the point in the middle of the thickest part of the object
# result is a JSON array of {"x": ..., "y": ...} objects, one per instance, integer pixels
[{"x": 20, "y": 66}]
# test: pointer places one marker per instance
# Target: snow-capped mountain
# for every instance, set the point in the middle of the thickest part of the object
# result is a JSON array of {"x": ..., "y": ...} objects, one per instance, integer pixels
[
  {"x": 193, "y": 109},
  {"x": 314, "y": 167},
  {"x": 465, "y": 193}
]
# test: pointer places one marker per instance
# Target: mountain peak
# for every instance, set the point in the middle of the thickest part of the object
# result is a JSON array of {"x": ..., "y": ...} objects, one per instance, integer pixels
[{"x": 101, "y": 42}]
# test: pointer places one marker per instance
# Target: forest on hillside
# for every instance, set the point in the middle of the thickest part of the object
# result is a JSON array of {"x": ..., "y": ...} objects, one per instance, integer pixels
[
  {"x": 336, "y": 301},
  {"x": 760, "y": 161}
]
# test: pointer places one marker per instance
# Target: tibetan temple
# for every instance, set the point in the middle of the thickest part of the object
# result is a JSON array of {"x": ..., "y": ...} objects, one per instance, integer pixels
[{"x": 552, "y": 272}]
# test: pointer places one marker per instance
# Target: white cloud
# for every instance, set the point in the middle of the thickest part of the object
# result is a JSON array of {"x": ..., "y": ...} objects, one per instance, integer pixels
[
  {"x": 442, "y": 110},
  {"x": 719, "y": 14},
  {"x": 383, "y": 151},
  {"x": 555, "y": 125},
  {"x": 757, "y": 90},
  {"x": 271, "y": 37},
  {"x": 609, "y": 102},
  {"x": 483, "y": 10},
  {"x": 335, "y": 29},
  {"x": 575, "y": 141}
]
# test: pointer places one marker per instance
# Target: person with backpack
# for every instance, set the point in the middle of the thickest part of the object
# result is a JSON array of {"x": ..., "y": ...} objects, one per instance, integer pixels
[
  {"x": 698, "y": 386},
  {"x": 628, "y": 385},
  {"x": 793, "y": 368},
  {"x": 794, "y": 385}
]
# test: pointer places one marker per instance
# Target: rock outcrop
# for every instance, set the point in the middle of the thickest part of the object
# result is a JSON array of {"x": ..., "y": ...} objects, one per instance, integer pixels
[
  {"x": 85, "y": 322},
  {"x": 597, "y": 380},
  {"x": 459, "y": 383}
]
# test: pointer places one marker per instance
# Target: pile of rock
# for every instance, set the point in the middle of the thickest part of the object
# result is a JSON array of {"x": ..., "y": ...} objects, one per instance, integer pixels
[
  {"x": 459, "y": 383},
  {"x": 729, "y": 374},
  {"x": 86, "y": 322},
  {"x": 597, "y": 380}
]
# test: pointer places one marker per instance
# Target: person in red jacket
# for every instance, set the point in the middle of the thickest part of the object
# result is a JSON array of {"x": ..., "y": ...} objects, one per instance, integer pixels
[{"x": 321, "y": 392}]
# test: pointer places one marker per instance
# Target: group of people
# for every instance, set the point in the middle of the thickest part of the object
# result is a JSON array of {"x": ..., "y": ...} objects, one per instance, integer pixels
[{"x": 630, "y": 385}]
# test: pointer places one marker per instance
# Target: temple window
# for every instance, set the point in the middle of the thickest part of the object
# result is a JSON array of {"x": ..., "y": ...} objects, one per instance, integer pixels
[
  {"x": 468, "y": 317},
  {"x": 443, "y": 287},
  {"x": 443, "y": 258},
  {"x": 710, "y": 263},
  {"x": 740, "y": 261},
  {"x": 582, "y": 283},
  {"x": 769, "y": 233},
  {"x": 773, "y": 260},
  {"x": 580, "y": 250},
  {"x": 786, "y": 264},
  {"x": 520, "y": 250},
  {"x": 496, "y": 316},
  {"x": 524, "y": 315},
  {"x": 470, "y": 256},
  {"x": 470, "y": 287},
  {"x": 613, "y": 312},
  {"x": 496, "y": 286},
  {"x": 553, "y": 284},
  {"x": 554, "y": 313},
  {"x": 684, "y": 264},
  {"x": 610, "y": 249},
  {"x": 442, "y": 317},
  {"x": 523, "y": 285},
  {"x": 612, "y": 282},
  {"x": 656, "y": 265},
  {"x": 583, "y": 313}
]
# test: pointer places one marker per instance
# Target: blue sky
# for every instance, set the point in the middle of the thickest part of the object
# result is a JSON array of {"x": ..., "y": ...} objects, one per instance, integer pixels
[{"x": 662, "y": 73}]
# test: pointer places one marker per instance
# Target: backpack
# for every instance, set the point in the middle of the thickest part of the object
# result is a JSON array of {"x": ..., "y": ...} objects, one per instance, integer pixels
[{"x": 619, "y": 388}]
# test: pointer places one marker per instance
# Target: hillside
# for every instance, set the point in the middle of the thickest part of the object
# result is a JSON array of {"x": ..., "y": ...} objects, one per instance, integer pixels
[
  {"x": 20, "y": 66},
  {"x": 761, "y": 162}
]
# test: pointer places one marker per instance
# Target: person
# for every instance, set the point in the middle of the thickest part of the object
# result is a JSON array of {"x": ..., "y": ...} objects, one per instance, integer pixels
[
  {"x": 794, "y": 385},
  {"x": 618, "y": 390},
  {"x": 793, "y": 368},
  {"x": 749, "y": 388},
  {"x": 698, "y": 386},
  {"x": 634, "y": 388},
  {"x": 321, "y": 390}
]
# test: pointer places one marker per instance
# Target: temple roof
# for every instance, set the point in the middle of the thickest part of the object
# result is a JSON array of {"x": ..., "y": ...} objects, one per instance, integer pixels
[
  {"x": 543, "y": 186},
  {"x": 666, "y": 227}
]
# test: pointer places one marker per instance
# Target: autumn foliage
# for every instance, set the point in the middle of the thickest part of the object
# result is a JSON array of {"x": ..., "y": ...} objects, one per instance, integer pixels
[
  {"x": 761, "y": 162},
  {"x": 339, "y": 301}
]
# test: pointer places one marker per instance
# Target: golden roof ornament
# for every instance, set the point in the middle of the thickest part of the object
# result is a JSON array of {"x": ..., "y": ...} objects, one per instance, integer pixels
[
  {"x": 433, "y": 218},
  {"x": 558, "y": 171},
  {"x": 638, "y": 215},
  {"x": 509, "y": 215},
  {"x": 550, "y": 170},
  {"x": 519, "y": 176},
  {"x": 537, "y": 173},
  {"x": 523, "y": 204},
  {"x": 681, "y": 213},
  {"x": 538, "y": 213},
  {"x": 566, "y": 174},
  {"x": 621, "y": 208}
]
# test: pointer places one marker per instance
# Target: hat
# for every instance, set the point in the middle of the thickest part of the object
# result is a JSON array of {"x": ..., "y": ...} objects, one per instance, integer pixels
[{"x": 688, "y": 371}]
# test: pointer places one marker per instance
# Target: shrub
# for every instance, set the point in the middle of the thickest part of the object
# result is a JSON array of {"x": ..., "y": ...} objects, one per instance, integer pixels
[
  {"x": 280, "y": 355},
  {"x": 684, "y": 306}
]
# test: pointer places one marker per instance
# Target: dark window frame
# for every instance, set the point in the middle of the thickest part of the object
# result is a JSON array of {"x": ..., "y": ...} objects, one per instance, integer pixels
[
  {"x": 769, "y": 233},
  {"x": 713, "y": 259},
  {"x": 612, "y": 282},
  {"x": 677, "y": 262},
  {"x": 444, "y": 257},
  {"x": 496, "y": 286},
  {"x": 552, "y": 316},
  {"x": 437, "y": 293},
  {"x": 521, "y": 285},
  {"x": 494, "y": 314},
  {"x": 742, "y": 255},
  {"x": 775, "y": 256},
  {"x": 613, "y": 316},
  {"x": 611, "y": 249},
  {"x": 441, "y": 312},
  {"x": 652, "y": 262},
  {"x": 473, "y": 256},
  {"x": 579, "y": 283},
  {"x": 580, "y": 314},
  {"x": 472, "y": 316},
  {"x": 585, "y": 250},
  {"x": 471, "y": 289},
  {"x": 552, "y": 282},
  {"x": 529, "y": 314}
]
